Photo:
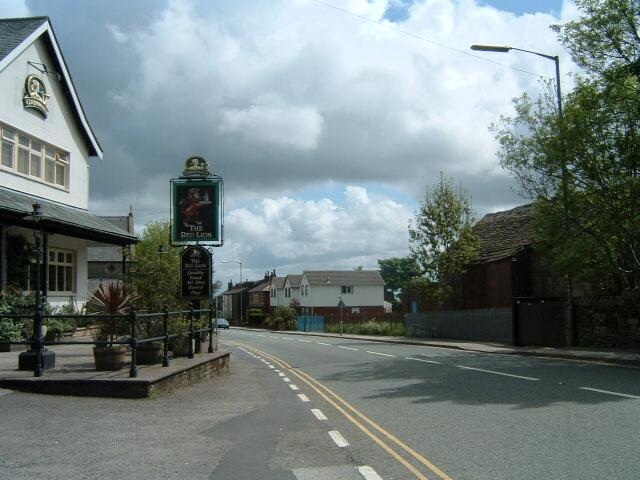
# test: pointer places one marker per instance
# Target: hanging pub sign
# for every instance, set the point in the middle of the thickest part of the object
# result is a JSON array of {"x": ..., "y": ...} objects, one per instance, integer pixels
[
  {"x": 35, "y": 94},
  {"x": 195, "y": 273},
  {"x": 196, "y": 205}
]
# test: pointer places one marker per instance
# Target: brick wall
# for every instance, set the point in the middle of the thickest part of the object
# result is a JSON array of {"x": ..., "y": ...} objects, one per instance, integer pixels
[{"x": 608, "y": 322}]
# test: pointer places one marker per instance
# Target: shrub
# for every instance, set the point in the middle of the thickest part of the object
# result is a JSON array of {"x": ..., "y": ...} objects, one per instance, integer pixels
[
  {"x": 282, "y": 318},
  {"x": 370, "y": 328},
  {"x": 10, "y": 330}
]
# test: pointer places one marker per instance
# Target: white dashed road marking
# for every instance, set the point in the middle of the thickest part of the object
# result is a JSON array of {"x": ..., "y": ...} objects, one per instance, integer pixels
[
  {"x": 499, "y": 373},
  {"x": 286, "y": 379},
  {"x": 378, "y": 353},
  {"x": 325, "y": 344},
  {"x": 318, "y": 413},
  {"x": 293, "y": 387},
  {"x": 626, "y": 395},
  {"x": 422, "y": 360},
  {"x": 369, "y": 473},
  {"x": 348, "y": 348},
  {"x": 280, "y": 374},
  {"x": 303, "y": 397},
  {"x": 338, "y": 439}
]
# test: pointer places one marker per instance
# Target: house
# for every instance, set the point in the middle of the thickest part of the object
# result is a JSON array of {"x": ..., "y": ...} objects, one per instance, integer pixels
[
  {"x": 361, "y": 292},
  {"x": 507, "y": 265},
  {"x": 235, "y": 301},
  {"x": 47, "y": 145},
  {"x": 277, "y": 292},
  {"x": 291, "y": 289},
  {"x": 260, "y": 300},
  {"x": 108, "y": 264}
]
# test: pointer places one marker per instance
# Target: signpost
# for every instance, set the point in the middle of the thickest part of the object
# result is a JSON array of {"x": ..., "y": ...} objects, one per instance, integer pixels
[{"x": 197, "y": 211}]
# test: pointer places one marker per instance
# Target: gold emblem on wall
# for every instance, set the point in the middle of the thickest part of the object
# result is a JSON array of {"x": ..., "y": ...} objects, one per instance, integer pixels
[{"x": 35, "y": 94}]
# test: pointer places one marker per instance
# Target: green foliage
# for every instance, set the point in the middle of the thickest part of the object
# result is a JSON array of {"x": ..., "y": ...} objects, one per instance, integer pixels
[
  {"x": 156, "y": 276},
  {"x": 591, "y": 154},
  {"x": 440, "y": 238},
  {"x": 282, "y": 318},
  {"x": 370, "y": 328},
  {"x": 397, "y": 273},
  {"x": 256, "y": 317},
  {"x": 10, "y": 330},
  {"x": 111, "y": 300}
]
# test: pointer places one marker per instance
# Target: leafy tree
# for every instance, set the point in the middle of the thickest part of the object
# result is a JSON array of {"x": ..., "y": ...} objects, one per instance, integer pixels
[
  {"x": 397, "y": 272},
  {"x": 440, "y": 238},
  {"x": 593, "y": 148},
  {"x": 156, "y": 276}
]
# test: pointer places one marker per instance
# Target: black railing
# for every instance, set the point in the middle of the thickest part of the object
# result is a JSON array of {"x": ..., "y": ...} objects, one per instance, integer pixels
[{"x": 133, "y": 320}]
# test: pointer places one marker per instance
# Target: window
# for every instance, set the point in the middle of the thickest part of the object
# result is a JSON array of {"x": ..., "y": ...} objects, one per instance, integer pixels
[
  {"x": 345, "y": 289},
  {"x": 60, "y": 270},
  {"x": 287, "y": 293},
  {"x": 28, "y": 156}
]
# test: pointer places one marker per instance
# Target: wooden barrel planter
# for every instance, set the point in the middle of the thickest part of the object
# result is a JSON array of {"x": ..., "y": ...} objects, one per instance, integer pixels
[
  {"x": 109, "y": 358},
  {"x": 149, "y": 353}
]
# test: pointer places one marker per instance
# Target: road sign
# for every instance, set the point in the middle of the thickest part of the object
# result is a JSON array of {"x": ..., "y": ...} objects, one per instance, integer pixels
[{"x": 195, "y": 273}]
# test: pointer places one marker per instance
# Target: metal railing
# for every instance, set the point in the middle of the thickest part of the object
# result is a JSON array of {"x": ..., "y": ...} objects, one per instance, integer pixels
[{"x": 133, "y": 320}]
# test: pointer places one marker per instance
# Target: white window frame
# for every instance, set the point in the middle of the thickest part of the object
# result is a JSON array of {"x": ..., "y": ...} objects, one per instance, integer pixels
[
  {"x": 64, "y": 264},
  {"x": 46, "y": 152},
  {"x": 346, "y": 289}
]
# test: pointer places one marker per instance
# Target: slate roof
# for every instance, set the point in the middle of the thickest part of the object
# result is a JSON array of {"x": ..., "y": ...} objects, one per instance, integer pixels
[
  {"x": 279, "y": 281},
  {"x": 109, "y": 254},
  {"x": 504, "y": 234},
  {"x": 62, "y": 219},
  {"x": 13, "y": 31},
  {"x": 294, "y": 280},
  {"x": 263, "y": 286},
  {"x": 343, "y": 277}
]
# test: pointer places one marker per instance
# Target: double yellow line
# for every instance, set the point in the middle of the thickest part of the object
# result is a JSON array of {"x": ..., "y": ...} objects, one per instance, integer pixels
[{"x": 402, "y": 455}]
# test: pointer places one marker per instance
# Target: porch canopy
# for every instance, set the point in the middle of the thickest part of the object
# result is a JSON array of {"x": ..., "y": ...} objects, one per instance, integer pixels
[{"x": 15, "y": 208}]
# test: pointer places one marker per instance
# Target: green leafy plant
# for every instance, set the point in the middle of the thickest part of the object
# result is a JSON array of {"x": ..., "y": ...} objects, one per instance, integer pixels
[
  {"x": 369, "y": 328},
  {"x": 111, "y": 300},
  {"x": 10, "y": 330},
  {"x": 282, "y": 318}
]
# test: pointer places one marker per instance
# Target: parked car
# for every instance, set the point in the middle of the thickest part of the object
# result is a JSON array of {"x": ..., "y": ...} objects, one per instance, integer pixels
[{"x": 221, "y": 323}]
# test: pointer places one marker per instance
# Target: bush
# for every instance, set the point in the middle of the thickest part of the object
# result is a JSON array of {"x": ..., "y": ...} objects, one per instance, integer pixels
[
  {"x": 370, "y": 328},
  {"x": 10, "y": 330},
  {"x": 282, "y": 318}
]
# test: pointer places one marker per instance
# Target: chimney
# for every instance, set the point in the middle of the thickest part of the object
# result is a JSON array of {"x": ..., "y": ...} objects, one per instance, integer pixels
[{"x": 230, "y": 285}]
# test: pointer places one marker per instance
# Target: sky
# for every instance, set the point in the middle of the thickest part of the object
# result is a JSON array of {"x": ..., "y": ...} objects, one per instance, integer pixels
[{"x": 327, "y": 119}]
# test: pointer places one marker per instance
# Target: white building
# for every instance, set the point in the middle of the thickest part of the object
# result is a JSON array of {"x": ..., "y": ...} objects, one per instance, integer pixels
[
  {"x": 276, "y": 298},
  {"x": 47, "y": 144},
  {"x": 361, "y": 292},
  {"x": 291, "y": 289}
]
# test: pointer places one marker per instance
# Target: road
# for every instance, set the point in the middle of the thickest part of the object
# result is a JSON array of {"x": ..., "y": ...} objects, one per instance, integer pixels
[{"x": 412, "y": 412}]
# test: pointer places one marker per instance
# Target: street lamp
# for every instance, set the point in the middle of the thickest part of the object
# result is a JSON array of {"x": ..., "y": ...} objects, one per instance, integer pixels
[
  {"x": 565, "y": 188},
  {"x": 239, "y": 263}
]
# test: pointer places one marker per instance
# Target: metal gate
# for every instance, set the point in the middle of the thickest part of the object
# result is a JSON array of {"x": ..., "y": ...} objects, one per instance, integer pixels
[{"x": 539, "y": 322}]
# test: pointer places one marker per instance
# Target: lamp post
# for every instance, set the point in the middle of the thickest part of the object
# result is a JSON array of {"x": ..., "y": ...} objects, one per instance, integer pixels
[
  {"x": 569, "y": 329},
  {"x": 239, "y": 263}
]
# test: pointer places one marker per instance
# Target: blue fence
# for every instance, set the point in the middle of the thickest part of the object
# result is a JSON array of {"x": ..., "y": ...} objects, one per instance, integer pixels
[{"x": 310, "y": 323}]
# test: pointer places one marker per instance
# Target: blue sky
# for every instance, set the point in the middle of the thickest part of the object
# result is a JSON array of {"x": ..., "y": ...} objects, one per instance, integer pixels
[{"x": 399, "y": 9}]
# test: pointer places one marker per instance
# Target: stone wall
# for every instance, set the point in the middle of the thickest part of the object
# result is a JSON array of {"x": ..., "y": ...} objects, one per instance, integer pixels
[{"x": 608, "y": 322}]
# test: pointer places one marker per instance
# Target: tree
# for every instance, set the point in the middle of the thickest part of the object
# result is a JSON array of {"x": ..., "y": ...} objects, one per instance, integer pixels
[
  {"x": 156, "y": 276},
  {"x": 440, "y": 238},
  {"x": 397, "y": 272},
  {"x": 595, "y": 144}
]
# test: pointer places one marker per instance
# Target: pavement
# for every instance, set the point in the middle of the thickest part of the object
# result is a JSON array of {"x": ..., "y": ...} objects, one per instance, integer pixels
[
  {"x": 75, "y": 374},
  {"x": 610, "y": 356}
]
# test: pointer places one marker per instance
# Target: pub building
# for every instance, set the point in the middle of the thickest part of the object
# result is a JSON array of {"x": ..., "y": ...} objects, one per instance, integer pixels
[{"x": 46, "y": 147}]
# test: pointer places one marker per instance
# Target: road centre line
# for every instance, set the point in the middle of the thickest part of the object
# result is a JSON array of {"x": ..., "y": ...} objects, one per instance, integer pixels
[
  {"x": 286, "y": 379},
  {"x": 421, "y": 360},
  {"x": 317, "y": 386},
  {"x": 378, "y": 353},
  {"x": 325, "y": 344},
  {"x": 348, "y": 348},
  {"x": 338, "y": 439},
  {"x": 303, "y": 397},
  {"x": 280, "y": 374},
  {"x": 369, "y": 473},
  {"x": 626, "y": 395},
  {"x": 499, "y": 373},
  {"x": 293, "y": 387},
  {"x": 318, "y": 414},
  {"x": 305, "y": 341}
]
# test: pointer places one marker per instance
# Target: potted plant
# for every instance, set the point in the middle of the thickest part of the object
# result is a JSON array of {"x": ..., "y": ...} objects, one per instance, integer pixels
[
  {"x": 150, "y": 353},
  {"x": 110, "y": 300},
  {"x": 180, "y": 344}
]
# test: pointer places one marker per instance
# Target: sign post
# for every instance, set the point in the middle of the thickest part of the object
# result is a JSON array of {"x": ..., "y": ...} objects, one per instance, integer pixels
[{"x": 197, "y": 211}]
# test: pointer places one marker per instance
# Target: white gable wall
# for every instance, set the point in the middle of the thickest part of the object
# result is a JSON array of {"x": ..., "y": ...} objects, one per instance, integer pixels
[{"x": 59, "y": 129}]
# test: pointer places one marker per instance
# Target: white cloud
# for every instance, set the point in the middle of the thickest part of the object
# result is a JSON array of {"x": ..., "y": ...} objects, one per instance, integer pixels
[{"x": 117, "y": 34}]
